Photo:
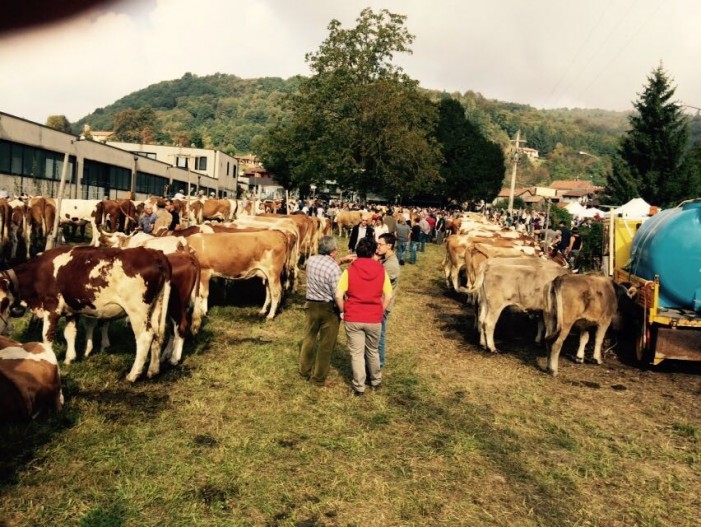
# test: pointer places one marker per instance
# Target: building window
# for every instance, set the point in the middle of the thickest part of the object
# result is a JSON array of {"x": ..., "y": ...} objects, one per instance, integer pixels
[
  {"x": 181, "y": 162},
  {"x": 201, "y": 163}
]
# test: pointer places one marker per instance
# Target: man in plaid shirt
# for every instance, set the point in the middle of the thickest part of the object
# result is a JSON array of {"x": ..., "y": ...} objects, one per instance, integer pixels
[{"x": 322, "y": 315}]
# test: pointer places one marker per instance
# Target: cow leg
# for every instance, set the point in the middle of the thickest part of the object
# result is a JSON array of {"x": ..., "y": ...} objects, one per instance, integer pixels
[
  {"x": 205, "y": 277},
  {"x": 601, "y": 330},
  {"x": 489, "y": 325},
  {"x": 105, "y": 340},
  {"x": 268, "y": 297},
  {"x": 541, "y": 331},
  {"x": 90, "y": 324},
  {"x": 70, "y": 332},
  {"x": 583, "y": 339},
  {"x": 144, "y": 339},
  {"x": 556, "y": 347},
  {"x": 177, "y": 341},
  {"x": 276, "y": 294}
]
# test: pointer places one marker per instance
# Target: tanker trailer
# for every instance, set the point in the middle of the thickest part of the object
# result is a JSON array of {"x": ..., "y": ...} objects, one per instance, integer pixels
[{"x": 665, "y": 266}]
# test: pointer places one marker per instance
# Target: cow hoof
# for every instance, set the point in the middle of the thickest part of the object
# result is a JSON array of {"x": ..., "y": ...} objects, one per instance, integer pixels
[
  {"x": 579, "y": 360},
  {"x": 132, "y": 378},
  {"x": 151, "y": 374},
  {"x": 68, "y": 362},
  {"x": 552, "y": 372}
]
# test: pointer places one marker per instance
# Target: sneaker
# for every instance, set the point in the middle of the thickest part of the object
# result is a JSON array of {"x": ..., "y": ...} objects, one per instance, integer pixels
[
  {"x": 357, "y": 393},
  {"x": 377, "y": 387},
  {"x": 401, "y": 262}
]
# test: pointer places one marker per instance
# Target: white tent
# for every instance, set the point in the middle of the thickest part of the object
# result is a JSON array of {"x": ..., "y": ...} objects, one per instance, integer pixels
[
  {"x": 593, "y": 212},
  {"x": 576, "y": 209},
  {"x": 635, "y": 208}
]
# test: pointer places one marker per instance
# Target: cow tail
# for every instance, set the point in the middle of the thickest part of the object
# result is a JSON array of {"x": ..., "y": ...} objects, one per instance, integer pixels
[
  {"x": 159, "y": 318},
  {"x": 196, "y": 301},
  {"x": 477, "y": 285},
  {"x": 553, "y": 313}
]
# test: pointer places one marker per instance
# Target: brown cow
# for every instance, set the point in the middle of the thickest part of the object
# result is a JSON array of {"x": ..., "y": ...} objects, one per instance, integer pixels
[
  {"x": 210, "y": 209},
  {"x": 96, "y": 282},
  {"x": 30, "y": 382},
  {"x": 240, "y": 256},
  {"x": 582, "y": 301},
  {"x": 515, "y": 282},
  {"x": 118, "y": 215},
  {"x": 347, "y": 219}
]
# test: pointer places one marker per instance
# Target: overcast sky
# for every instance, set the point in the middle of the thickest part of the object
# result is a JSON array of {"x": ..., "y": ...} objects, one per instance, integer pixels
[{"x": 546, "y": 53}]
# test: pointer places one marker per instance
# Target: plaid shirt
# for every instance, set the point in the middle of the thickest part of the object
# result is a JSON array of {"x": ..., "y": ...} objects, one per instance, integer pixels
[{"x": 322, "y": 278}]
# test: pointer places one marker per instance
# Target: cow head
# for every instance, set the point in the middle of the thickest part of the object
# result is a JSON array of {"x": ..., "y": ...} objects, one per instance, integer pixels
[
  {"x": 115, "y": 239},
  {"x": 7, "y": 301},
  {"x": 627, "y": 311}
]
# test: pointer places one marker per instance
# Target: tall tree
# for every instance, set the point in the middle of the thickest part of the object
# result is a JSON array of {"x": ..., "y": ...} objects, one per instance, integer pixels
[
  {"x": 621, "y": 186},
  {"x": 472, "y": 167},
  {"x": 358, "y": 119},
  {"x": 59, "y": 122},
  {"x": 654, "y": 147},
  {"x": 134, "y": 126}
]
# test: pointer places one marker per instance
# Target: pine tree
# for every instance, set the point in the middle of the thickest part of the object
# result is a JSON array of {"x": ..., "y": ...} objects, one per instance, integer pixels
[{"x": 654, "y": 147}]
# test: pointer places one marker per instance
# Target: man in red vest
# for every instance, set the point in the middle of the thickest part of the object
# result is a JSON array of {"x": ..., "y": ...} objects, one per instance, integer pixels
[{"x": 364, "y": 292}]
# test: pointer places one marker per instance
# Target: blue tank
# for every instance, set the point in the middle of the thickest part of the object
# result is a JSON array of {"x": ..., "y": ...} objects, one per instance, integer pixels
[{"x": 669, "y": 245}]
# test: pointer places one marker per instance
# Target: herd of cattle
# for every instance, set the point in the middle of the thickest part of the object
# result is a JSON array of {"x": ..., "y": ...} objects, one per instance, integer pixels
[
  {"x": 164, "y": 280},
  {"x": 509, "y": 269}
]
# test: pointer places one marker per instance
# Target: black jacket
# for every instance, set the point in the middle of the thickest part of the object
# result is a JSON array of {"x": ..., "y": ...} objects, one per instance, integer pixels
[{"x": 369, "y": 233}]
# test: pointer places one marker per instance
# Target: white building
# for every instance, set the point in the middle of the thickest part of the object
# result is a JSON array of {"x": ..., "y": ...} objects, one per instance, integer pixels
[
  {"x": 32, "y": 158},
  {"x": 205, "y": 162}
]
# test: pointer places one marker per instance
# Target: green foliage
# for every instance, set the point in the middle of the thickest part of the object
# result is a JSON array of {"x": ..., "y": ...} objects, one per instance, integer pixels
[
  {"x": 359, "y": 119},
  {"x": 134, "y": 126},
  {"x": 621, "y": 186},
  {"x": 473, "y": 167},
  {"x": 215, "y": 111},
  {"x": 59, "y": 122},
  {"x": 654, "y": 148}
]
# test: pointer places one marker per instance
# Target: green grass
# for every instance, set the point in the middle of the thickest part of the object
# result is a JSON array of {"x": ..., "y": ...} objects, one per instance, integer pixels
[{"x": 234, "y": 437}]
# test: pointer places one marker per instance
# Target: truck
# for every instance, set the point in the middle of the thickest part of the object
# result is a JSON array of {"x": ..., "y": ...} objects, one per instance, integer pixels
[{"x": 661, "y": 257}]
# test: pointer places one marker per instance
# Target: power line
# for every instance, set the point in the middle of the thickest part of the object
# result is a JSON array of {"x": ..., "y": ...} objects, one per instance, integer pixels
[
  {"x": 579, "y": 51},
  {"x": 604, "y": 43},
  {"x": 615, "y": 57}
]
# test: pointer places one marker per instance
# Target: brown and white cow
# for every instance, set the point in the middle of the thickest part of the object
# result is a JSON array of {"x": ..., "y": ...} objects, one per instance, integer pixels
[
  {"x": 240, "y": 256},
  {"x": 118, "y": 215},
  {"x": 517, "y": 282},
  {"x": 184, "y": 306},
  {"x": 581, "y": 301},
  {"x": 77, "y": 214},
  {"x": 30, "y": 382},
  {"x": 100, "y": 283}
]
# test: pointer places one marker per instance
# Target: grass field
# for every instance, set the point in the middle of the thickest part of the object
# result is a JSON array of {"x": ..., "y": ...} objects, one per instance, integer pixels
[{"x": 234, "y": 437}]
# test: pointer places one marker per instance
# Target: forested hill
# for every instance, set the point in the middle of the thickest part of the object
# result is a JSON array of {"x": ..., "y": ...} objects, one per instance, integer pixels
[
  {"x": 215, "y": 111},
  {"x": 226, "y": 112}
]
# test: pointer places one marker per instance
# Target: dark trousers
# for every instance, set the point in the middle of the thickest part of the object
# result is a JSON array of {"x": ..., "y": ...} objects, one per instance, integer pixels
[{"x": 322, "y": 323}]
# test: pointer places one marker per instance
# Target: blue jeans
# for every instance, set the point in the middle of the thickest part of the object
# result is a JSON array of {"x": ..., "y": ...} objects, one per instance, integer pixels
[
  {"x": 381, "y": 343},
  {"x": 401, "y": 250},
  {"x": 422, "y": 242},
  {"x": 413, "y": 246}
]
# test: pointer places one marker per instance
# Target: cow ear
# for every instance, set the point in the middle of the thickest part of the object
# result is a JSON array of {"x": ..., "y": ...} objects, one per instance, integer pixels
[{"x": 632, "y": 292}]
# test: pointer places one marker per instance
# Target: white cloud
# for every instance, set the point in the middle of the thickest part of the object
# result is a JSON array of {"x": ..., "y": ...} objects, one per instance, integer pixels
[{"x": 546, "y": 53}]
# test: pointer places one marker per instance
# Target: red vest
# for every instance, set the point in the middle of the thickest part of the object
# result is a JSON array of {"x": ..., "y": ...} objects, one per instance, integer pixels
[{"x": 366, "y": 277}]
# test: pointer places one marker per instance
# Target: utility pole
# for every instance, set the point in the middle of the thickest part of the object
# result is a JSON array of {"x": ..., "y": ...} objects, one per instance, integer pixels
[{"x": 517, "y": 149}]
